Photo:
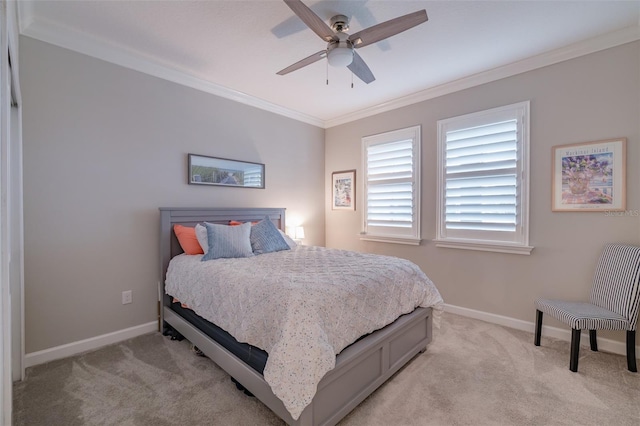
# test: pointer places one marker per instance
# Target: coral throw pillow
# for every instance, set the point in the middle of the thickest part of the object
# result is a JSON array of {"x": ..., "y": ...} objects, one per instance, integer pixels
[
  {"x": 187, "y": 239},
  {"x": 236, "y": 223}
]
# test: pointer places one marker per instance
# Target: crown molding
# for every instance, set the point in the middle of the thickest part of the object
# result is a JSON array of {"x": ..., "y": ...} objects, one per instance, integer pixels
[
  {"x": 83, "y": 43},
  {"x": 613, "y": 39},
  {"x": 80, "y": 42},
  {"x": 25, "y": 14}
]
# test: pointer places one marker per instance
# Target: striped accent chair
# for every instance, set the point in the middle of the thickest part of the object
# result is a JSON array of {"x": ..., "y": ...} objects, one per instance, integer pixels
[{"x": 613, "y": 304}]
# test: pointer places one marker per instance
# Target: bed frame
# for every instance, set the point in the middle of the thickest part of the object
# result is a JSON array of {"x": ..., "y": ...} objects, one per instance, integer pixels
[{"x": 360, "y": 368}]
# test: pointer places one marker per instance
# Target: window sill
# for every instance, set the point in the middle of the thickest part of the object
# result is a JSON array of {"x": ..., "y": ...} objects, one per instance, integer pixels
[
  {"x": 485, "y": 246},
  {"x": 396, "y": 240}
]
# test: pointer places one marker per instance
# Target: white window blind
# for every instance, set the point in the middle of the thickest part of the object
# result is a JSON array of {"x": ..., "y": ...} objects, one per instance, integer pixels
[
  {"x": 481, "y": 178},
  {"x": 391, "y": 164},
  {"x": 483, "y": 184}
]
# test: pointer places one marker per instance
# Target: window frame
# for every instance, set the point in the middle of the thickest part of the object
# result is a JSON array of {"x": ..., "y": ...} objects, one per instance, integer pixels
[
  {"x": 413, "y": 133},
  {"x": 518, "y": 241}
]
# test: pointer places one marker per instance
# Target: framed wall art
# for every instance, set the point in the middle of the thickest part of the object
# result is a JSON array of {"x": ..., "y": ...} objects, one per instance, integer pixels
[
  {"x": 589, "y": 176},
  {"x": 343, "y": 186},
  {"x": 204, "y": 170}
]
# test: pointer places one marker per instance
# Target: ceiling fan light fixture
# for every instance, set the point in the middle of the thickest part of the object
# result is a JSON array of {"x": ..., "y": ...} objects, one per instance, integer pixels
[{"x": 340, "y": 56}]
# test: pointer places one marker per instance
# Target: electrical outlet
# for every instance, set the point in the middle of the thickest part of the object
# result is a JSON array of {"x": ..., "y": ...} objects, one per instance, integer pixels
[{"x": 127, "y": 297}]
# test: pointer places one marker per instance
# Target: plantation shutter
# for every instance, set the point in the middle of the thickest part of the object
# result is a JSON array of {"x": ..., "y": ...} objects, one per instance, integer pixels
[
  {"x": 481, "y": 178},
  {"x": 390, "y": 185},
  {"x": 391, "y": 199}
]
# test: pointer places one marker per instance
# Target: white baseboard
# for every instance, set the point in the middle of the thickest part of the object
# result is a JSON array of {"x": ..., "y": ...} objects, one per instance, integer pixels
[
  {"x": 604, "y": 345},
  {"x": 75, "y": 348}
]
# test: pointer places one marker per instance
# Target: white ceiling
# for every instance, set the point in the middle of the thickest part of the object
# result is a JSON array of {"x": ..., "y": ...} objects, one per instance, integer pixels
[{"x": 235, "y": 48}]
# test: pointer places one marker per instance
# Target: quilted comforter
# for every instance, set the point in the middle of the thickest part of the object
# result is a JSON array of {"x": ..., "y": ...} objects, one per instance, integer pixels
[{"x": 302, "y": 306}]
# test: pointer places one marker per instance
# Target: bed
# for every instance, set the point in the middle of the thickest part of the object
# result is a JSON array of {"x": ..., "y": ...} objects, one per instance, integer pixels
[{"x": 360, "y": 368}]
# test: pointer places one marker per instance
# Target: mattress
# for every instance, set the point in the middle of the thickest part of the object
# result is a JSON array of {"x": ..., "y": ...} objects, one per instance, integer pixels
[{"x": 256, "y": 358}]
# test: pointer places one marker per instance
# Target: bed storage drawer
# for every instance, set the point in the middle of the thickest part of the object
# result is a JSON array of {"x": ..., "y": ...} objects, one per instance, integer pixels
[
  {"x": 365, "y": 365},
  {"x": 418, "y": 334}
]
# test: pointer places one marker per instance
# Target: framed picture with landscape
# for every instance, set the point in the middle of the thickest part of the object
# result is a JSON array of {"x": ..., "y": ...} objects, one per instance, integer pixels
[
  {"x": 343, "y": 194},
  {"x": 204, "y": 170},
  {"x": 589, "y": 176}
]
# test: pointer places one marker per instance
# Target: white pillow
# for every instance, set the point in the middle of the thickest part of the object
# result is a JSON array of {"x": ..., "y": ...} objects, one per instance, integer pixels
[
  {"x": 203, "y": 239},
  {"x": 292, "y": 244}
]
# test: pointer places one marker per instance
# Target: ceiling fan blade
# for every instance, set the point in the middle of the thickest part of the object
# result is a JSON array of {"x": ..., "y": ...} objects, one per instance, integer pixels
[
  {"x": 303, "y": 63},
  {"x": 312, "y": 20},
  {"x": 387, "y": 29},
  {"x": 360, "y": 69}
]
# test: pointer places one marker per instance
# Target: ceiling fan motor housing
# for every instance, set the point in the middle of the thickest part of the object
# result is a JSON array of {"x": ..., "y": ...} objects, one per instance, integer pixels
[{"x": 340, "y": 23}]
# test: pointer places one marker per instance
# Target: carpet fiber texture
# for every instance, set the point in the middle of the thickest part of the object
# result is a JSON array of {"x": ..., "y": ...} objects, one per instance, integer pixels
[{"x": 473, "y": 373}]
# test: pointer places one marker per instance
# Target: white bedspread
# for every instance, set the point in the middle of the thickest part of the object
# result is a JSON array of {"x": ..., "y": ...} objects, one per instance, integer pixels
[{"x": 302, "y": 306}]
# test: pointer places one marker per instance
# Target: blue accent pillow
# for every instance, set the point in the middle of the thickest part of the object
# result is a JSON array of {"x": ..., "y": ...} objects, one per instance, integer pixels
[
  {"x": 265, "y": 238},
  {"x": 228, "y": 241}
]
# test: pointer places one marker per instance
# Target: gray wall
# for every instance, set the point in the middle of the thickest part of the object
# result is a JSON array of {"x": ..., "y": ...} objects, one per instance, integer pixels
[
  {"x": 590, "y": 98},
  {"x": 104, "y": 147}
]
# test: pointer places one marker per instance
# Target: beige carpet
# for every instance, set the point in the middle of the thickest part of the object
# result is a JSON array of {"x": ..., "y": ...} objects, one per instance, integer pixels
[{"x": 474, "y": 373}]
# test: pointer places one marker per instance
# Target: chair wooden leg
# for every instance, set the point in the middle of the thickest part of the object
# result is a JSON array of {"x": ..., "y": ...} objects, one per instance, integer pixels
[
  {"x": 593, "y": 341},
  {"x": 538, "y": 327},
  {"x": 575, "y": 350},
  {"x": 631, "y": 351}
]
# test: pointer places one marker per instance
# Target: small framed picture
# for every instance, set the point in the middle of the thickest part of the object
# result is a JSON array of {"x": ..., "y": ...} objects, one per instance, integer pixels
[
  {"x": 589, "y": 176},
  {"x": 343, "y": 195}
]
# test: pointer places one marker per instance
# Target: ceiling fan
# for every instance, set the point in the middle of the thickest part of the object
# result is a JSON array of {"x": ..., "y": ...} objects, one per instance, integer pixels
[{"x": 340, "y": 51}]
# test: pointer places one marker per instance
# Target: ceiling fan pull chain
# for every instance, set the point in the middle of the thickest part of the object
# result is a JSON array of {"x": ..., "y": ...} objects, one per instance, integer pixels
[
  {"x": 327, "y": 65},
  {"x": 352, "y": 79}
]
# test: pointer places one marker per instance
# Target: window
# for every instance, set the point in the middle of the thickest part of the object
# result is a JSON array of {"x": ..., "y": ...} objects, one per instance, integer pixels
[
  {"x": 392, "y": 186},
  {"x": 483, "y": 181}
]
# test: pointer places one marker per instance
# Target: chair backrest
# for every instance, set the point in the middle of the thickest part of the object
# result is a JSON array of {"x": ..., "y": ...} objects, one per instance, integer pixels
[{"x": 616, "y": 281}]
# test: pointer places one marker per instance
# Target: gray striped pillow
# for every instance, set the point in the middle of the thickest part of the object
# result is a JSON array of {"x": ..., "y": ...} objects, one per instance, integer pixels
[
  {"x": 265, "y": 238},
  {"x": 228, "y": 241}
]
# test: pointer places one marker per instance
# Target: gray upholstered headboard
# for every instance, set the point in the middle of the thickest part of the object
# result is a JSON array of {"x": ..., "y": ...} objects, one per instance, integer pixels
[{"x": 169, "y": 246}]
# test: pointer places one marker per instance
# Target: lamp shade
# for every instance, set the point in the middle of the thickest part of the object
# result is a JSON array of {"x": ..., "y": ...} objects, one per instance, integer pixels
[
  {"x": 299, "y": 233},
  {"x": 340, "y": 56}
]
